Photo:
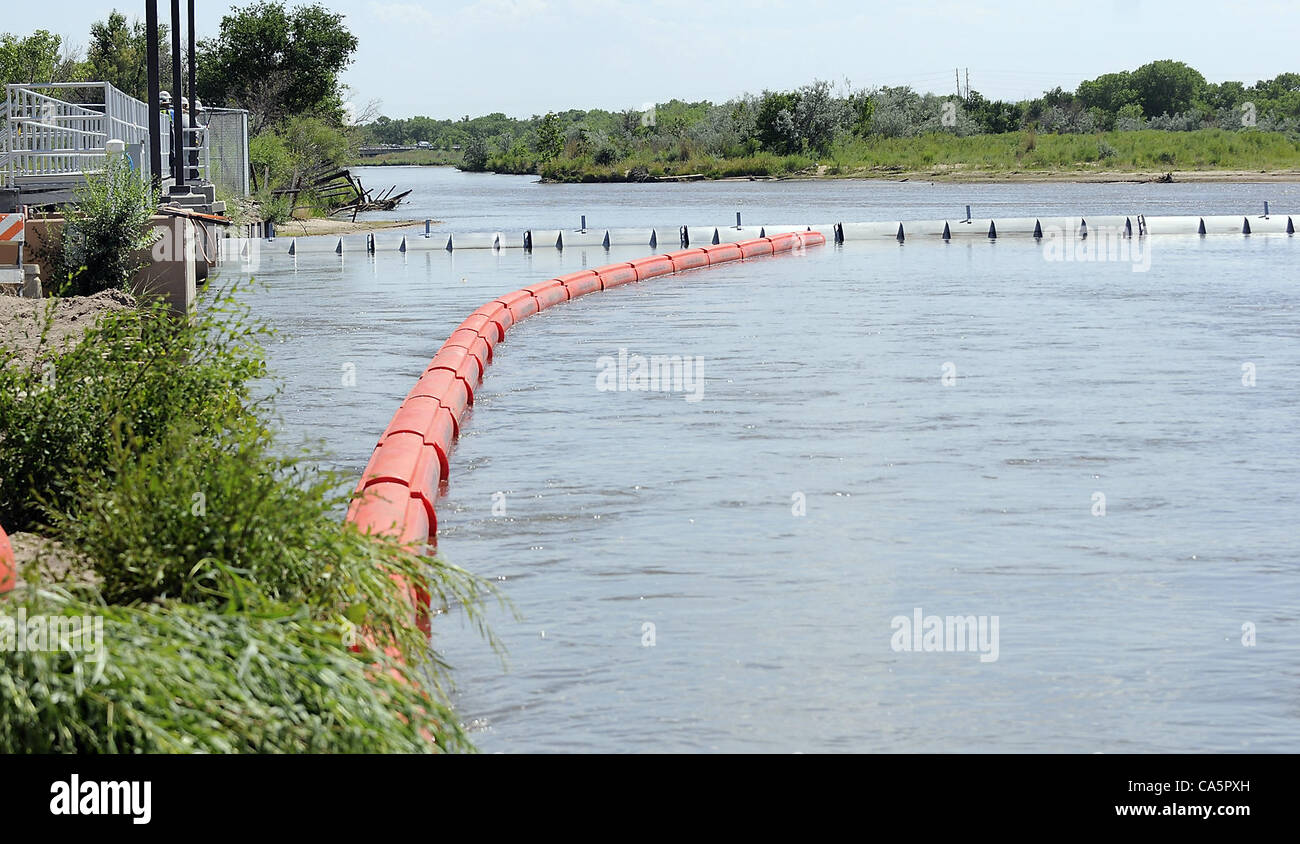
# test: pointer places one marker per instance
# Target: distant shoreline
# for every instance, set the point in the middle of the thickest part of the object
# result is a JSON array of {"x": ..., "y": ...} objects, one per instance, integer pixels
[{"x": 963, "y": 177}]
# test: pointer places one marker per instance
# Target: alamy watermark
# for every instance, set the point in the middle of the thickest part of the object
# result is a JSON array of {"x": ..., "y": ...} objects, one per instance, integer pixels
[
  {"x": 653, "y": 373},
  {"x": 1103, "y": 243},
  {"x": 946, "y": 634},
  {"x": 74, "y": 634}
]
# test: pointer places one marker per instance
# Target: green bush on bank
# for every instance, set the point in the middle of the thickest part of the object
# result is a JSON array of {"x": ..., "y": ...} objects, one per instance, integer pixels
[
  {"x": 103, "y": 233},
  {"x": 229, "y": 587},
  {"x": 139, "y": 373}
]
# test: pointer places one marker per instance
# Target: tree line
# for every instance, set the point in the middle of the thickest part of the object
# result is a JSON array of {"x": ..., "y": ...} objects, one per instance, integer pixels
[{"x": 812, "y": 119}]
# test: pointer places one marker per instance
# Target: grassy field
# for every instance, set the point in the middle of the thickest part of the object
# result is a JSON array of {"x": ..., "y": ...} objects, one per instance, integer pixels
[{"x": 944, "y": 156}]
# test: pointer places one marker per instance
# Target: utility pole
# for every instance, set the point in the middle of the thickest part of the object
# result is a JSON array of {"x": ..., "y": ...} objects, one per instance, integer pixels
[
  {"x": 967, "y": 80},
  {"x": 178, "y": 119},
  {"x": 957, "y": 74},
  {"x": 155, "y": 106}
]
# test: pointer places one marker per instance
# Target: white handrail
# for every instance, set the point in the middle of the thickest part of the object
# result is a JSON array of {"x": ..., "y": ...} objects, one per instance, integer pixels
[{"x": 49, "y": 140}]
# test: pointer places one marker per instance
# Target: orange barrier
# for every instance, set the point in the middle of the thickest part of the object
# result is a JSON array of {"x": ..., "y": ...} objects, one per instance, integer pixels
[
  {"x": 580, "y": 284},
  {"x": 8, "y": 577},
  {"x": 462, "y": 364},
  {"x": 484, "y": 326},
  {"x": 499, "y": 314},
  {"x": 388, "y": 509},
  {"x": 521, "y": 304},
  {"x": 689, "y": 259},
  {"x": 655, "y": 265},
  {"x": 722, "y": 252},
  {"x": 783, "y": 242},
  {"x": 435, "y": 424},
  {"x": 616, "y": 275},
  {"x": 402, "y": 458},
  {"x": 472, "y": 342},
  {"x": 755, "y": 248},
  {"x": 449, "y": 391},
  {"x": 549, "y": 293},
  {"x": 410, "y": 466}
]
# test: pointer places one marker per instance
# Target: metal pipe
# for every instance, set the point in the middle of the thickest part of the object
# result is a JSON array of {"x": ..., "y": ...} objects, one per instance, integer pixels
[
  {"x": 155, "y": 105},
  {"x": 178, "y": 119}
]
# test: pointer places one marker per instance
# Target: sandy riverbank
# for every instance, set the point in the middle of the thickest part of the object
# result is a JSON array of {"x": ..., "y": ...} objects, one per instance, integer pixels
[
  {"x": 22, "y": 322},
  {"x": 322, "y": 225}
]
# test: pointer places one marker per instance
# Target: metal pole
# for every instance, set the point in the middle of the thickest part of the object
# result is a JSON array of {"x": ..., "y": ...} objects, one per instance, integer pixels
[
  {"x": 178, "y": 119},
  {"x": 193, "y": 93},
  {"x": 192, "y": 137},
  {"x": 155, "y": 106}
]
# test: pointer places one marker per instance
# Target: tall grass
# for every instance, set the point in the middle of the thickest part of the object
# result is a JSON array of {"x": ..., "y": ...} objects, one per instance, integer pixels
[
  {"x": 179, "y": 678},
  {"x": 231, "y": 592},
  {"x": 1018, "y": 151}
]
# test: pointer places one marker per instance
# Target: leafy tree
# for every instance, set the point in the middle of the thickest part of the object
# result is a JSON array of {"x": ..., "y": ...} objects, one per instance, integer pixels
[
  {"x": 1279, "y": 97},
  {"x": 1224, "y": 94},
  {"x": 118, "y": 54},
  {"x": 994, "y": 116},
  {"x": 1109, "y": 92},
  {"x": 550, "y": 138},
  {"x": 861, "y": 107},
  {"x": 775, "y": 122},
  {"x": 277, "y": 62},
  {"x": 38, "y": 57},
  {"x": 1167, "y": 87},
  {"x": 1129, "y": 118},
  {"x": 818, "y": 116},
  {"x": 476, "y": 154}
]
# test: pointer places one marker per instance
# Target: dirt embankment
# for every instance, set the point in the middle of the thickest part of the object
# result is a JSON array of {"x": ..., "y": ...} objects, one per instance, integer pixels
[
  {"x": 28, "y": 325},
  {"x": 321, "y": 225},
  {"x": 48, "y": 561}
]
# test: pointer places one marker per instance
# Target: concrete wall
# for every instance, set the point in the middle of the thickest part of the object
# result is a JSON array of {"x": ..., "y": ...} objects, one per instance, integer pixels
[{"x": 171, "y": 268}]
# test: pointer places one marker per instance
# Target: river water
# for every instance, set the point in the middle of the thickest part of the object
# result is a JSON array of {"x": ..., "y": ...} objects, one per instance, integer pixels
[{"x": 1099, "y": 461}]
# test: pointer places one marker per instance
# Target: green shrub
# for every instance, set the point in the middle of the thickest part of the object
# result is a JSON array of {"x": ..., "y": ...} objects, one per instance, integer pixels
[
  {"x": 138, "y": 372},
  {"x": 229, "y": 586},
  {"x": 475, "y": 158},
  {"x": 201, "y": 517},
  {"x": 105, "y": 230}
]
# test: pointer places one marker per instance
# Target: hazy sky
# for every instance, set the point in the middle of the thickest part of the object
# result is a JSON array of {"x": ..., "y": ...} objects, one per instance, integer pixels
[{"x": 448, "y": 58}]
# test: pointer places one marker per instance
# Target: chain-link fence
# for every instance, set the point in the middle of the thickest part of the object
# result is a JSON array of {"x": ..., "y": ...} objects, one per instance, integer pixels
[{"x": 228, "y": 150}]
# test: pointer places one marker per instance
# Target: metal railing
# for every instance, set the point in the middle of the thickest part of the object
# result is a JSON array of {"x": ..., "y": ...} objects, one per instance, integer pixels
[
  {"x": 52, "y": 135},
  {"x": 51, "y": 141},
  {"x": 4, "y": 139},
  {"x": 197, "y": 152}
]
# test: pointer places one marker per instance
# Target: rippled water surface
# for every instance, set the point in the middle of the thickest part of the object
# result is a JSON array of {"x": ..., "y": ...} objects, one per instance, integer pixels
[{"x": 945, "y": 415}]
